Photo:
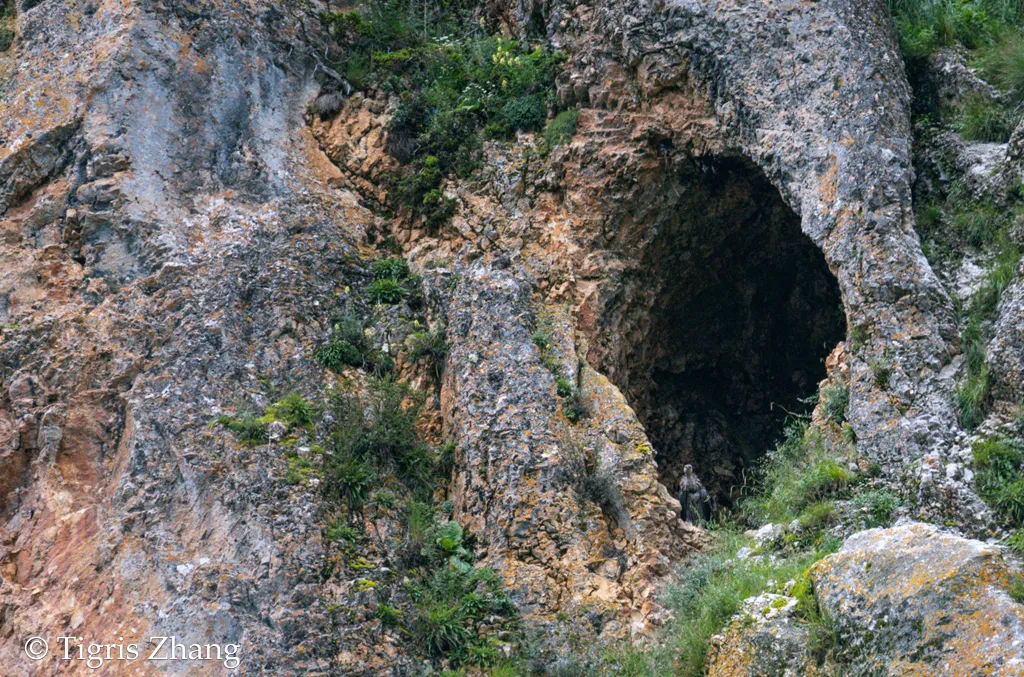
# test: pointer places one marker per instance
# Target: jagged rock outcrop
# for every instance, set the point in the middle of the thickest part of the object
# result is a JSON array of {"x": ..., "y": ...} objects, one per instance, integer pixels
[
  {"x": 914, "y": 600},
  {"x": 170, "y": 245},
  {"x": 175, "y": 239}
]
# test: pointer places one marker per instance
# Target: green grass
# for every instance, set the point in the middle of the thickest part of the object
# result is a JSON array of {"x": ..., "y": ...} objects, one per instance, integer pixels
[
  {"x": 711, "y": 590},
  {"x": 923, "y": 26},
  {"x": 1016, "y": 588},
  {"x": 986, "y": 121},
  {"x": 878, "y": 506},
  {"x": 795, "y": 475},
  {"x": 835, "y": 399},
  {"x": 1002, "y": 64},
  {"x": 999, "y": 477},
  {"x": 973, "y": 392}
]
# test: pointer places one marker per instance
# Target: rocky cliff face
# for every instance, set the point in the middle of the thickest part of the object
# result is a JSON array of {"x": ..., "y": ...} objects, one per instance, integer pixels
[{"x": 181, "y": 231}]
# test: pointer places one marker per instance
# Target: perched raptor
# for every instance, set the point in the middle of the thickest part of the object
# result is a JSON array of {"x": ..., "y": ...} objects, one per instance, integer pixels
[{"x": 693, "y": 497}]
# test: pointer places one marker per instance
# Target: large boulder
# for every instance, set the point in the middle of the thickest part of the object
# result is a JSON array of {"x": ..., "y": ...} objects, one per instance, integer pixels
[{"x": 913, "y": 600}]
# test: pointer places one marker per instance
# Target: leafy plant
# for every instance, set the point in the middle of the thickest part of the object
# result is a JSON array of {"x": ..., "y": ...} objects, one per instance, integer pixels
[
  {"x": 349, "y": 347},
  {"x": 799, "y": 472},
  {"x": 835, "y": 399},
  {"x": 388, "y": 292},
  {"x": 294, "y": 411},
  {"x": 377, "y": 434},
  {"x": 430, "y": 346},
  {"x": 562, "y": 128},
  {"x": 249, "y": 430},
  {"x": 391, "y": 269}
]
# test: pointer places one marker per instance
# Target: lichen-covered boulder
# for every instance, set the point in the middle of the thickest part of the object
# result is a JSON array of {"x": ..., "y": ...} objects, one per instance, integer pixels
[
  {"x": 763, "y": 640},
  {"x": 913, "y": 600}
]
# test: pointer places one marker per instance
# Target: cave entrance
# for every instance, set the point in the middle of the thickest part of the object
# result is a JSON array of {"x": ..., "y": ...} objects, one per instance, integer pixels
[{"x": 737, "y": 310}]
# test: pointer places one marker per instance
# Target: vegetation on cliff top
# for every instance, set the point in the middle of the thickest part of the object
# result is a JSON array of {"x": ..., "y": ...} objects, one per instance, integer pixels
[{"x": 458, "y": 83}]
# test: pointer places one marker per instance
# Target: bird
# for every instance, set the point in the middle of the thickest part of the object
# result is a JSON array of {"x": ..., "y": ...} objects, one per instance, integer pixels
[{"x": 693, "y": 497}]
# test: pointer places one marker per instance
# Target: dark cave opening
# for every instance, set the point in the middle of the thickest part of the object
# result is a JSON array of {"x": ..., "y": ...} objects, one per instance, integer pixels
[{"x": 737, "y": 311}]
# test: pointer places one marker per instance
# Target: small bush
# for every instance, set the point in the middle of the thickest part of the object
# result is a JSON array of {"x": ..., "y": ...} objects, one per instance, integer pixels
[
  {"x": 525, "y": 113},
  {"x": 336, "y": 355},
  {"x": 835, "y": 399},
  {"x": 388, "y": 292},
  {"x": 562, "y": 128},
  {"x": 711, "y": 590},
  {"x": 882, "y": 373},
  {"x": 800, "y": 471},
  {"x": 460, "y": 609},
  {"x": 431, "y": 346},
  {"x": 977, "y": 223},
  {"x": 564, "y": 387},
  {"x": 338, "y": 532},
  {"x": 294, "y": 411},
  {"x": 349, "y": 347},
  {"x": 1016, "y": 542},
  {"x": 972, "y": 396},
  {"x": 817, "y": 516},
  {"x": 377, "y": 434},
  {"x": 391, "y": 269}
]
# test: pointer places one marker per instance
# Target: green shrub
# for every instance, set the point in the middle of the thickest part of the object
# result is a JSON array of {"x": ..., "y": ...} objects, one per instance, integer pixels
[
  {"x": 972, "y": 394},
  {"x": 377, "y": 433},
  {"x": 817, "y": 516},
  {"x": 878, "y": 505},
  {"x": 1016, "y": 542},
  {"x": 349, "y": 347},
  {"x": 390, "y": 269},
  {"x": 249, "y": 430},
  {"x": 388, "y": 292},
  {"x": 564, "y": 387},
  {"x": 454, "y": 81},
  {"x": 1016, "y": 588},
  {"x": 882, "y": 373},
  {"x": 389, "y": 616},
  {"x": 338, "y": 532},
  {"x": 336, "y": 355},
  {"x": 431, "y": 346},
  {"x": 800, "y": 471},
  {"x": 525, "y": 113},
  {"x": 294, "y": 411},
  {"x": 986, "y": 121},
  {"x": 711, "y": 590},
  {"x": 460, "y": 609},
  {"x": 562, "y": 128},
  {"x": 924, "y": 26},
  {"x": 998, "y": 465},
  {"x": 835, "y": 399},
  {"x": 977, "y": 223}
]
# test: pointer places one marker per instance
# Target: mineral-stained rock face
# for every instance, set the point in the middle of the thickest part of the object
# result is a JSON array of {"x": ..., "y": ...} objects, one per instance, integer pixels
[
  {"x": 175, "y": 238},
  {"x": 167, "y": 242},
  {"x": 912, "y": 600}
]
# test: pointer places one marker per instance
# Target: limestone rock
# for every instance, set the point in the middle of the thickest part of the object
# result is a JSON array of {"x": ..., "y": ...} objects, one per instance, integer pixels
[{"x": 914, "y": 600}]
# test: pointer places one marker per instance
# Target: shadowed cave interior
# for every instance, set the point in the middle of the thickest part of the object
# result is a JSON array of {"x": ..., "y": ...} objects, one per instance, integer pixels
[{"x": 732, "y": 320}]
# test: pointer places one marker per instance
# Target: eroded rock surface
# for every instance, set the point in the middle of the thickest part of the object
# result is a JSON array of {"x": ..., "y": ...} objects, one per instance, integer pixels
[{"x": 914, "y": 600}]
